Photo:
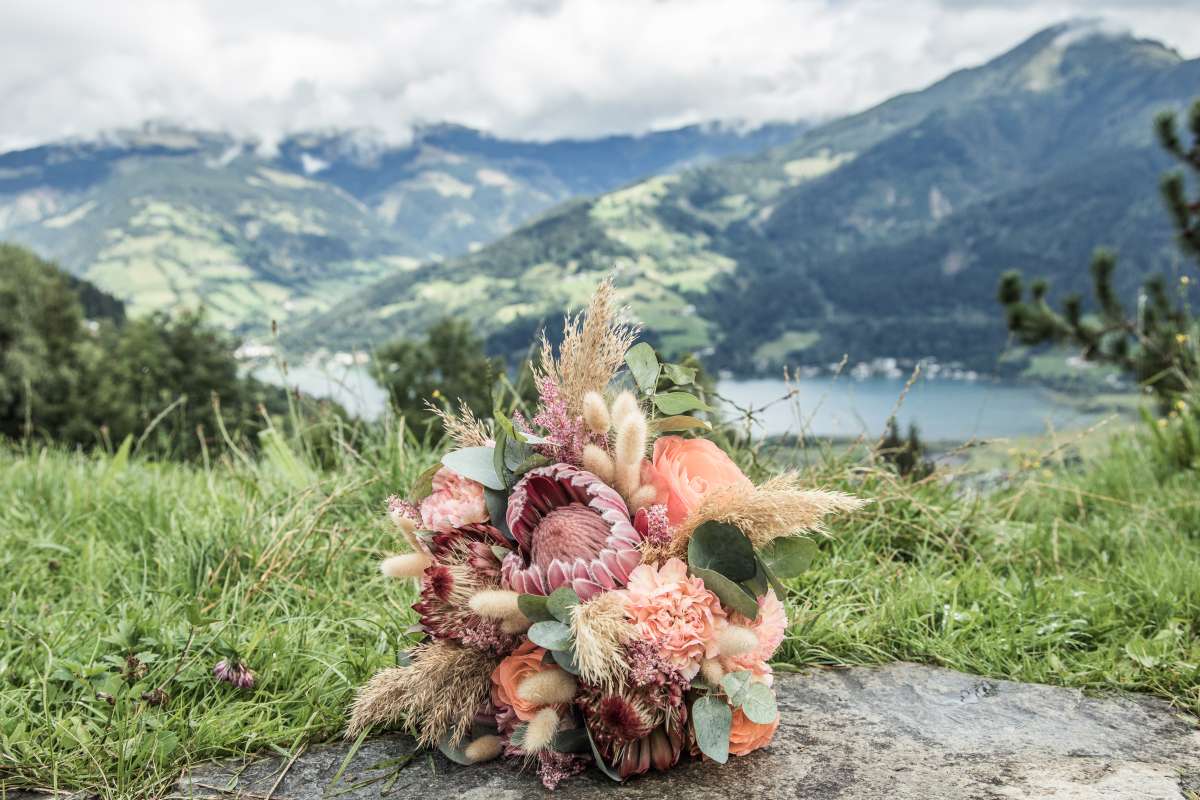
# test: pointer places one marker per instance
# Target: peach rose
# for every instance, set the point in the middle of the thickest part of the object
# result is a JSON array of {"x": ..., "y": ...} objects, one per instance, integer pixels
[
  {"x": 687, "y": 469},
  {"x": 746, "y": 736},
  {"x": 526, "y": 660}
]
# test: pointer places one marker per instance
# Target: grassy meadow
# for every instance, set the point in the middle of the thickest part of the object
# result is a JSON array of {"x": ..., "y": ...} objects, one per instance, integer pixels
[{"x": 125, "y": 580}]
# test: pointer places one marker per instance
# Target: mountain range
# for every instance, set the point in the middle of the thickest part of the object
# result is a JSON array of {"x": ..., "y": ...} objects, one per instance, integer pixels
[
  {"x": 882, "y": 233},
  {"x": 878, "y": 234},
  {"x": 165, "y": 217}
]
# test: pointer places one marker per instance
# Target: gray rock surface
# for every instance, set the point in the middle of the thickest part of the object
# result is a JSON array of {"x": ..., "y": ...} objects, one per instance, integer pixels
[{"x": 895, "y": 732}]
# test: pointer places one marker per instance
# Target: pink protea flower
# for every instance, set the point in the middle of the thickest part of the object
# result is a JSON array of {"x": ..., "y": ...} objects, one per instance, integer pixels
[
  {"x": 571, "y": 530},
  {"x": 675, "y": 612},
  {"x": 455, "y": 501},
  {"x": 770, "y": 628}
]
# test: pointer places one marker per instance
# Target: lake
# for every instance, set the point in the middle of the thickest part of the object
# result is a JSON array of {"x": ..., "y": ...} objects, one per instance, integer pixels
[{"x": 824, "y": 407}]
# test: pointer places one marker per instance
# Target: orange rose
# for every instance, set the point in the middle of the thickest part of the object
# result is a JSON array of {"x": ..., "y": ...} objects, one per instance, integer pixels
[
  {"x": 526, "y": 660},
  {"x": 746, "y": 736},
  {"x": 687, "y": 469}
]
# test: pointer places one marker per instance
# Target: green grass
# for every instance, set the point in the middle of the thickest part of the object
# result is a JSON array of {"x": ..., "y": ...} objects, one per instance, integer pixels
[{"x": 1083, "y": 576}]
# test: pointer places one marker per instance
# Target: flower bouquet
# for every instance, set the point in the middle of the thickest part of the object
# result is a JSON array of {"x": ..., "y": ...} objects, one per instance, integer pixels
[{"x": 580, "y": 602}]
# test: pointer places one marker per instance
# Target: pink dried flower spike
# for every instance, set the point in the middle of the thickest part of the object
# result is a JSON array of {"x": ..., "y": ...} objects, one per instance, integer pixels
[{"x": 571, "y": 530}]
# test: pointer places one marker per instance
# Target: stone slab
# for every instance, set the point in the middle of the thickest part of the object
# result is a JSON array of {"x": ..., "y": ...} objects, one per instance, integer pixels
[{"x": 897, "y": 732}]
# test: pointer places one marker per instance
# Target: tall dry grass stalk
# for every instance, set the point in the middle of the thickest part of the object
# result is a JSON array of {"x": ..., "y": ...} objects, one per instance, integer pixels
[
  {"x": 463, "y": 428},
  {"x": 592, "y": 350},
  {"x": 600, "y": 629},
  {"x": 435, "y": 696},
  {"x": 778, "y": 507}
]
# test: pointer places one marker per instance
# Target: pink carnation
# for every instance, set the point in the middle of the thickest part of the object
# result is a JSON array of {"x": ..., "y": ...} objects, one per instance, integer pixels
[
  {"x": 675, "y": 612},
  {"x": 455, "y": 502},
  {"x": 770, "y": 628}
]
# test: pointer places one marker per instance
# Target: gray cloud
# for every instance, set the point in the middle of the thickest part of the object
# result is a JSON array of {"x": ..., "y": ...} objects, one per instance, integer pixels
[{"x": 523, "y": 68}]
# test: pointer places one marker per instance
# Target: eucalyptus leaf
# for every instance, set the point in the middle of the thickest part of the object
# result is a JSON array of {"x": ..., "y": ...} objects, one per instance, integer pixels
[
  {"x": 533, "y": 606},
  {"x": 758, "y": 704},
  {"x": 497, "y": 507},
  {"x": 773, "y": 579},
  {"x": 731, "y": 594},
  {"x": 735, "y": 685},
  {"x": 476, "y": 463},
  {"x": 560, "y": 602},
  {"x": 550, "y": 634},
  {"x": 680, "y": 422},
  {"x": 757, "y": 585},
  {"x": 572, "y": 740},
  {"x": 423, "y": 486},
  {"x": 672, "y": 403},
  {"x": 679, "y": 374},
  {"x": 604, "y": 767},
  {"x": 723, "y": 548},
  {"x": 498, "y": 458},
  {"x": 566, "y": 660},
  {"x": 789, "y": 556},
  {"x": 643, "y": 364},
  {"x": 712, "y": 720},
  {"x": 453, "y": 751}
]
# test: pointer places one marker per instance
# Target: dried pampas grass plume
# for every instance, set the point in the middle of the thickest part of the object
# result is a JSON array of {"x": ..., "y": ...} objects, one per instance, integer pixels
[
  {"x": 592, "y": 350},
  {"x": 435, "y": 696},
  {"x": 600, "y": 629},
  {"x": 595, "y": 413},
  {"x": 485, "y": 748},
  {"x": 779, "y": 507},
  {"x": 540, "y": 731},
  {"x": 549, "y": 687},
  {"x": 408, "y": 565},
  {"x": 495, "y": 604},
  {"x": 462, "y": 428},
  {"x": 736, "y": 640},
  {"x": 598, "y": 462}
]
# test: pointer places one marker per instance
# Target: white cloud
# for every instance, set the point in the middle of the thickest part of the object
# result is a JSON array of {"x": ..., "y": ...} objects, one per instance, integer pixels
[{"x": 519, "y": 68}]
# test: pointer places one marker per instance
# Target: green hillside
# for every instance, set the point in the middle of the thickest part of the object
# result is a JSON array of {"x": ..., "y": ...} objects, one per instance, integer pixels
[
  {"x": 167, "y": 218},
  {"x": 881, "y": 234}
]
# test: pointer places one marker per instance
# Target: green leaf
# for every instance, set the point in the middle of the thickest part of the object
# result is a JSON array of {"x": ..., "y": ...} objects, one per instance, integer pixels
[
  {"x": 566, "y": 660},
  {"x": 423, "y": 486},
  {"x": 731, "y": 594},
  {"x": 711, "y": 721},
  {"x": 533, "y": 606},
  {"x": 679, "y": 374},
  {"x": 643, "y": 364},
  {"x": 673, "y": 403},
  {"x": 773, "y": 579},
  {"x": 498, "y": 457},
  {"x": 550, "y": 634},
  {"x": 476, "y": 463},
  {"x": 453, "y": 751},
  {"x": 735, "y": 685},
  {"x": 789, "y": 556},
  {"x": 723, "y": 548},
  {"x": 496, "y": 502},
  {"x": 758, "y": 704},
  {"x": 680, "y": 422},
  {"x": 572, "y": 740},
  {"x": 560, "y": 602},
  {"x": 604, "y": 767},
  {"x": 757, "y": 585}
]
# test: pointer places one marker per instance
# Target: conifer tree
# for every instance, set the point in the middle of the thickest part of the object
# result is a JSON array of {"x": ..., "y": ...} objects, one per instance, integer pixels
[{"x": 1155, "y": 340}]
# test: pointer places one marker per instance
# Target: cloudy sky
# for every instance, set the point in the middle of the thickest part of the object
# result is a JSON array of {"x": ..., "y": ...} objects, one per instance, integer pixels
[{"x": 522, "y": 68}]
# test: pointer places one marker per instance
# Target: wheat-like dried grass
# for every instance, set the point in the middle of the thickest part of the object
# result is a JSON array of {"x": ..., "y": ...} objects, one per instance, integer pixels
[
  {"x": 435, "y": 696},
  {"x": 600, "y": 629},
  {"x": 463, "y": 428},
  {"x": 592, "y": 350},
  {"x": 777, "y": 508}
]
